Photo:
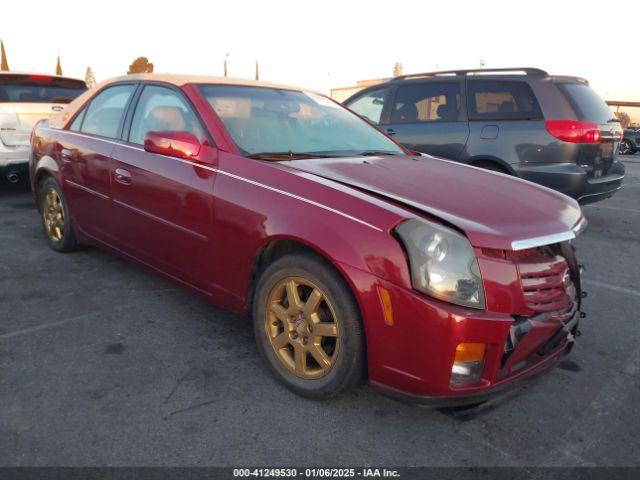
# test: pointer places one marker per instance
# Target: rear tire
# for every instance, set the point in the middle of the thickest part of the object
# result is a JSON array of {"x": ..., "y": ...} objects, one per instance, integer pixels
[
  {"x": 56, "y": 220},
  {"x": 626, "y": 148},
  {"x": 307, "y": 326}
]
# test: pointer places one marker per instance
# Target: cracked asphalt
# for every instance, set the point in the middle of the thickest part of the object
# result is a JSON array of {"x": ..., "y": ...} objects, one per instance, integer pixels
[{"x": 102, "y": 363}]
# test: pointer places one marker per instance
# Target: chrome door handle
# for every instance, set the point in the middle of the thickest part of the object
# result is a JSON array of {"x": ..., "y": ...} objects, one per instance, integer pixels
[
  {"x": 391, "y": 131},
  {"x": 66, "y": 154},
  {"x": 122, "y": 176}
]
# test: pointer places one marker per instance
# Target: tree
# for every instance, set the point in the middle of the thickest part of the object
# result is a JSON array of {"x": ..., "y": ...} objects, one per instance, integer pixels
[
  {"x": 89, "y": 78},
  {"x": 140, "y": 65},
  {"x": 257, "y": 71},
  {"x": 58, "y": 67},
  {"x": 397, "y": 69},
  {"x": 4, "y": 65},
  {"x": 624, "y": 118}
]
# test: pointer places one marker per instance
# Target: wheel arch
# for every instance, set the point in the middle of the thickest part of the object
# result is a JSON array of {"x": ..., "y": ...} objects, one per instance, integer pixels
[
  {"x": 278, "y": 246},
  {"x": 46, "y": 167},
  {"x": 490, "y": 161}
]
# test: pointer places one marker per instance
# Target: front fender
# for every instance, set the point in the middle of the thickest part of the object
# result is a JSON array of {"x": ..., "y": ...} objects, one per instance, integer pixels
[{"x": 251, "y": 212}]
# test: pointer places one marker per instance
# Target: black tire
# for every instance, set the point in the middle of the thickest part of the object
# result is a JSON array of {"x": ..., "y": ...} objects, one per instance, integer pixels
[
  {"x": 67, "y": 241},
  {"x": 626, "y": 148},
  {"x": 349, "y": 367}
]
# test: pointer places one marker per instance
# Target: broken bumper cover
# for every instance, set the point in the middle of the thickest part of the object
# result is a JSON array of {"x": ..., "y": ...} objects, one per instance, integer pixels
[
  {"x": 557, "y": 347},
  {"x": 412, "y": 358}
]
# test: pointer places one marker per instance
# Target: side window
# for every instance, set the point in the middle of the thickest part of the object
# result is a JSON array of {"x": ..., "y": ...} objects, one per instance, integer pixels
[
  {"x": 498, "y": 100},
  {"x": 104, "y": 113},
  {"x": 370, "y": 104},
  {"x": 162, "y": 109},
  {"x": 77, "y": 122},
  {"x": 426, "y": 102}
]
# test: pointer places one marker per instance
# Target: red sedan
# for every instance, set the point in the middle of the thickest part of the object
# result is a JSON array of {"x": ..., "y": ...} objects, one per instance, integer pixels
[{"x": 439, "y": 282}]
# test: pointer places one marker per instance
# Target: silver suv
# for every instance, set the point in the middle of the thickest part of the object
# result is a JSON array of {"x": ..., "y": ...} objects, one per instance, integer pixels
[{"x": 24, "y": 100}]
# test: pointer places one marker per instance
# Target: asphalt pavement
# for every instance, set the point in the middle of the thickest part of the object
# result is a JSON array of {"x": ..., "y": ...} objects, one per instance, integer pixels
[{"x": 103, "y": 363}]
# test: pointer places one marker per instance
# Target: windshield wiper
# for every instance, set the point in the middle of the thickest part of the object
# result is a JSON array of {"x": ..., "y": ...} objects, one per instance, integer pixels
[
  {"x": 286, "y": 155},
  {"x": 373, "y": 153}
]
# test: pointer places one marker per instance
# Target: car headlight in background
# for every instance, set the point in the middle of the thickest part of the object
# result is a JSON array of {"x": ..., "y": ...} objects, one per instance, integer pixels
[{"x": 442, "y": 263}]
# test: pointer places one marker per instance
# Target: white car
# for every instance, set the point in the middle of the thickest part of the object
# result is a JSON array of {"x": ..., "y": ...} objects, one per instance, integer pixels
[{"x": 24, "y": 100}]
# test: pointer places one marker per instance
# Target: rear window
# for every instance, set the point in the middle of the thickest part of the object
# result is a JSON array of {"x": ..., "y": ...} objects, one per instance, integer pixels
[
  {"x": 39, "y": 89},
  {"x": 586, "y": 102},
  {"x": 502, "y": 100}
]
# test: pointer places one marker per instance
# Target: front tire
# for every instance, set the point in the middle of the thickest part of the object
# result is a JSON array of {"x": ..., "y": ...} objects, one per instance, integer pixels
[
  {"x": 307, "y": 326},
  {"x": 55, "y": 217}
]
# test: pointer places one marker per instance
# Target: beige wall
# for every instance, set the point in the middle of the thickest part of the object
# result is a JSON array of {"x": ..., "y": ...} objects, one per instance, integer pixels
[{"x": 342, "y": 93}]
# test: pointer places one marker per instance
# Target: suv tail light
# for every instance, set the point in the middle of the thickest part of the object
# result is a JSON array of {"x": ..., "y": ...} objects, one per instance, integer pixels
[{"x": 574, "y": 131}]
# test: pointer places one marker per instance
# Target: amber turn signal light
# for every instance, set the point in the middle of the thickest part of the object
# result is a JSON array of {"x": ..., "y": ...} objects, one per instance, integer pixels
[
  {"x": 387, "y": 307},
  {"x": 470, "y": 352}
]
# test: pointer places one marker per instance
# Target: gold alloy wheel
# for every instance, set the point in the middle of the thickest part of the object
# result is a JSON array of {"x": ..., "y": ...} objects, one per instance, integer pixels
[
  {"x": 53, "y": 214},
  {"x": 302, "y": 327}
]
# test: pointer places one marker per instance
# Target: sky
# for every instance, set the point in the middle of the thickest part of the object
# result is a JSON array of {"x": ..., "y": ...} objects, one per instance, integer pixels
[{"x": 325, "y": 44}]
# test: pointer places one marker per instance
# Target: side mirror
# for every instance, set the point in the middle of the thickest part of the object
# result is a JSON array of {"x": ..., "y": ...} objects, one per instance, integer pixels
[{"x": 173, "y": 144}]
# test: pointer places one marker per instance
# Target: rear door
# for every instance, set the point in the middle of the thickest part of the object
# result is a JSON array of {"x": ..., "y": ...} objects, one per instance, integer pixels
[
  {"x": 429, "y": 116},
  {"x": 505, "y": 121},
  {"x": 86, "y": 159},
  {"x": 163, "y": 206},
  {"x": 595, "y": 158}
]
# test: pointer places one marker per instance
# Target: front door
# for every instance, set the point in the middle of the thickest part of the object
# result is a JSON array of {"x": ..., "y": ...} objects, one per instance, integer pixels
[
  {"x": 428, "y": 116},
  {"x": 163, "y": 206}
]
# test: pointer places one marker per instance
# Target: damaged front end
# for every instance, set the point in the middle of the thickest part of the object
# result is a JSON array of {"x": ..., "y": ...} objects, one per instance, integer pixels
[{"x": 552, "y": 292}]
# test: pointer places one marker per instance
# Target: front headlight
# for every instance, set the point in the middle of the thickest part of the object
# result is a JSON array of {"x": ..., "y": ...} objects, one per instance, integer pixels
[{"x": 442, "y": 263}]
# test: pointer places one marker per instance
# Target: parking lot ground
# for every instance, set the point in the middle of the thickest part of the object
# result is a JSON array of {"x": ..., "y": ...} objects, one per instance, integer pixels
[{"x": 102, "y": 363}]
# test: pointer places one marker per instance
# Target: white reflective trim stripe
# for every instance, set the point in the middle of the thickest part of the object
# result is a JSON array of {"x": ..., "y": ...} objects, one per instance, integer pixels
[
  {"x": 86, "y": 189},
  {"x": 297, "y": 197},
  {"x": 252, "y": 182},
  {"x": 541, "y": 241}
]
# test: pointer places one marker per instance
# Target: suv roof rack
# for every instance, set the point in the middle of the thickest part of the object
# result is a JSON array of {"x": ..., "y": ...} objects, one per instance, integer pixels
[{"x": 525, "y": 70}]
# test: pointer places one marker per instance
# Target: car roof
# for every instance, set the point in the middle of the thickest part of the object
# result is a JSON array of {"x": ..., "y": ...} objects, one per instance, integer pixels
[{"x": 178, "y": 80}]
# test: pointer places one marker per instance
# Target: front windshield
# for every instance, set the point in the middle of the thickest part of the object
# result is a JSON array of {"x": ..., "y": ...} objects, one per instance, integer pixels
[{"x": 268, "y": 120}]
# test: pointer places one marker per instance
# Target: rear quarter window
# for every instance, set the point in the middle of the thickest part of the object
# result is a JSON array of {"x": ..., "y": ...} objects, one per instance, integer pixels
[
  {"x": 588, "y": 105},
  {"x": 502, "y": 100}
]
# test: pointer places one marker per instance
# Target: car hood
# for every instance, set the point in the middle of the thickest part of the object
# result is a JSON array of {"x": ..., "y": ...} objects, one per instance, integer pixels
[{"x": 493, "y": 209}]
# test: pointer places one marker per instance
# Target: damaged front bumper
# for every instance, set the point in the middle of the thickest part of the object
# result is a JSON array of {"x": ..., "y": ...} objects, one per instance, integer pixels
[{"x": 526, "y": 363}]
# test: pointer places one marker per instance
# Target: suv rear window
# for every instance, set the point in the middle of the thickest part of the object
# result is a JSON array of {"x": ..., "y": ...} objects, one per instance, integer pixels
[
  {"x": 586, "y": 102},
  {"x": 39, "y": 89},
  {"x": 502, "y": 100}
]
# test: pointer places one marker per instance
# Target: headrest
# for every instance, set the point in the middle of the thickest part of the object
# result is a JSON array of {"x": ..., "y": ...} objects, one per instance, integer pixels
[{"x": 445, "y": 112}]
